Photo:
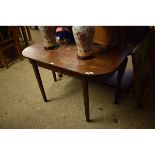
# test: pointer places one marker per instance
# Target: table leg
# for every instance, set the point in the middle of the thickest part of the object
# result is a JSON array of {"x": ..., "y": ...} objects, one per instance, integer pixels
[
  {"x": 37, "y": 74},
  {"x": 86, "y": 97},
  {"x": 54, "y": 76},
  {"x": 121, "y": 71},
  {"x": 60, "y": 75}
]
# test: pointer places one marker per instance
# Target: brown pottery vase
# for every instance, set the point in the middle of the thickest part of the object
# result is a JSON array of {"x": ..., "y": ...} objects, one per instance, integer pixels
[
  {"x": 83, "y": 36},
  {"x": 48, "y": 34}
]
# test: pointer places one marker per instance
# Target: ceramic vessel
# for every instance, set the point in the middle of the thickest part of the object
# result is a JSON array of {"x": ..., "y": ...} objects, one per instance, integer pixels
[
  {"x": 48, "y": 34},
  {"x": 83, "y": 36}
]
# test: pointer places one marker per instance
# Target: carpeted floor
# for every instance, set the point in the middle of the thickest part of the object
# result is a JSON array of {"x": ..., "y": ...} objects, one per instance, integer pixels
[{"x": 21, "y": 104}]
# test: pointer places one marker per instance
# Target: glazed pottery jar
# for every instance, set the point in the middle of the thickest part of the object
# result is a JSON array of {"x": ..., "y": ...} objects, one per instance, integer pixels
[
  {"x": 83, "y": 36},
  {"x": 48, "y": 34}
]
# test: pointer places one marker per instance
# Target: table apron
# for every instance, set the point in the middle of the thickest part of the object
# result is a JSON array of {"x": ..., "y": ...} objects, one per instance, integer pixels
[{"x": 60, "y": 70}]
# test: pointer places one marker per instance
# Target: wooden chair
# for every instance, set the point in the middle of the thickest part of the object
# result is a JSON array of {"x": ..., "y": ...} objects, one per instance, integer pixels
[
  {"x": 143, "y": 67},
  {"x": 25, "y": 34},
  {"x": 10, "y": 41}
]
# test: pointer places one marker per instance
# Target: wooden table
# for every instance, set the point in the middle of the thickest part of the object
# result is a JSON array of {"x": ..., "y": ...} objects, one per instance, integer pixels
[{"x": 64, "y": 60}]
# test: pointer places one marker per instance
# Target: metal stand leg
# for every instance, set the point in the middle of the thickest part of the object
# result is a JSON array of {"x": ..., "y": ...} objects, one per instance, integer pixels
[
  {"x": 121, "y": 71},
  {"x": 86, "y": 98},
  {"x": 37, "y": 74}
]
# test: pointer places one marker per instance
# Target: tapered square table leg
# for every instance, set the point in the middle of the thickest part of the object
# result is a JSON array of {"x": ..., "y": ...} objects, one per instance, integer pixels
[
  {"x": 37, "y": 74},
  {"x": 86, "y": 97}
]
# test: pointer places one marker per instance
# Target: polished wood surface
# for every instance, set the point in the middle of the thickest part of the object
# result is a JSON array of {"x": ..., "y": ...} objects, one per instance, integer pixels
[{"x": 66, "y": 57}]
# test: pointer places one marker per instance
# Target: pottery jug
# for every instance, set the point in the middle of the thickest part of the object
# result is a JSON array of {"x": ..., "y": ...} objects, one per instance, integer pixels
[
  {"x": 48, "y": 34},
  {"x": 83, "y": 36}
]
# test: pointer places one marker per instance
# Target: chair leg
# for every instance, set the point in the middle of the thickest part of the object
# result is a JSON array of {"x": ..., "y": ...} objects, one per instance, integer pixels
[
  {"x": 28, "y": 33},
  {"x": 24, "y": 36},
  {"x": 16, "y": 33},
  {"x": 3, "y": 59},
  {"x": 20, "y": 35},
  {"x": 121, "y": 71},
  {"x": 18, "y": 51}
]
